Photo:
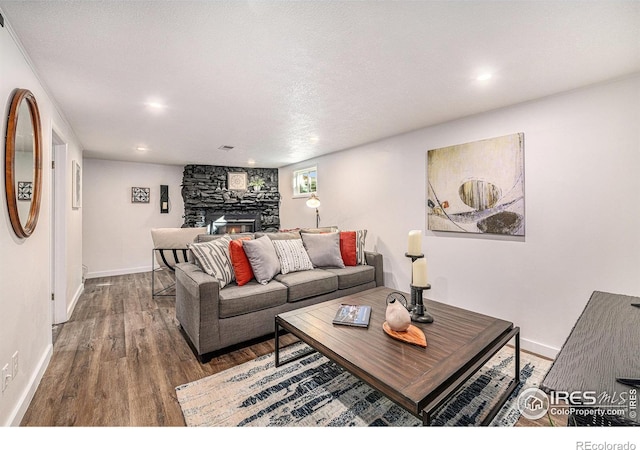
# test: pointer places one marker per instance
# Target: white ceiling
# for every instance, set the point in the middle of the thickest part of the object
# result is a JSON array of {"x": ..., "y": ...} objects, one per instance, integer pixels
[{"x": 285, "y": 81}]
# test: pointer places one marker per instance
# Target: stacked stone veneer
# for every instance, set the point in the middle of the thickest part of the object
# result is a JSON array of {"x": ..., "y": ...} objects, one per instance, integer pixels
[{"x": 204, "y": 189}]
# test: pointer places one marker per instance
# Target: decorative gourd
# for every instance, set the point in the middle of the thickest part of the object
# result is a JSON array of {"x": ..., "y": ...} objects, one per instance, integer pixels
[{"x": 397, "y": 316}]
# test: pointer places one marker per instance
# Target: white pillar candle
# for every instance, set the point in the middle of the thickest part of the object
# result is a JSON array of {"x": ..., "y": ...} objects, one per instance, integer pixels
[
  {"x": 420, "y": 272},
  {"x": 415, "y": 242}
]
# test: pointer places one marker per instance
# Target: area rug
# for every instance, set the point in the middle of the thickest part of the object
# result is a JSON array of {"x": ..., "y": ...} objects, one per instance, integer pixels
[{"x": 315, "y": 392}]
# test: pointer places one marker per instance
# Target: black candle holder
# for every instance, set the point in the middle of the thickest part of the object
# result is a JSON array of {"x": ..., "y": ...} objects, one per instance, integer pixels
[
  {"x": 416, "y": 307},
  {"x": 411, "y": 306},
  {"x": 419, "y": 314}
]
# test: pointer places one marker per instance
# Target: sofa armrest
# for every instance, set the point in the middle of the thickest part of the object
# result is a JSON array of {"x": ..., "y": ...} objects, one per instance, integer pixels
[
  {"x": 375, "y": 259},
  {"x": 197, "y": 306}
]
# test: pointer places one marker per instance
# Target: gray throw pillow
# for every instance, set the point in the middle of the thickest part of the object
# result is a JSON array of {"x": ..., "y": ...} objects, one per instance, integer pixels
[
  {"x": 323, "y": 249},
  {"x": 263, "y": 258}
]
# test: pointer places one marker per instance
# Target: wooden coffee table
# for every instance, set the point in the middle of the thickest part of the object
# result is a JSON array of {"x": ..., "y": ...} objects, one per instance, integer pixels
[{"x": 459, "y": 343}]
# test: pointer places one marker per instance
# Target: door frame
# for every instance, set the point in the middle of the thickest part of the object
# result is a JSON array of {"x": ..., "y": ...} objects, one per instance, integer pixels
[{"x": 59, "y": 203}]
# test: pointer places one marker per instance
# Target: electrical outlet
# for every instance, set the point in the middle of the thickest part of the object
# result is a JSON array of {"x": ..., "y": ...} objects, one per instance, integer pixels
[
  {"x": 14, "y": 365},
  {"x": 6, "y": 376}
]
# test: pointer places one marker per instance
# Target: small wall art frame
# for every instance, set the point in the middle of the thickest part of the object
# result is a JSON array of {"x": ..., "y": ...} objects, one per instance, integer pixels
[
  {"x": 140, "y": 194},
  {"x": 25, "y": 190},
  {"x": 237, "y": 181},
  {"x": 76, "y": 182}
]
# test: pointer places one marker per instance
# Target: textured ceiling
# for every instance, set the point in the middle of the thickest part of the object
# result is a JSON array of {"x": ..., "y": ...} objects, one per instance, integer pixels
[{"x": 285, "y": 81}]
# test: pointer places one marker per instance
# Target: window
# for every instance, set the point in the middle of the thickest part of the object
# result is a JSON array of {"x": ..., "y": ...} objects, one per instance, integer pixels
[{"x": 305, "y": 182}]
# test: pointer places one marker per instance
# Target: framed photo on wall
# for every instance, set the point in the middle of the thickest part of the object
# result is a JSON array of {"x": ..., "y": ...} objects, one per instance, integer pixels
[
  {"x": 477, "y": 187},
  {"x": 25, "y": 190},
  {"x": 237, "y": 181},
  {"x": 140, "y": 194},
  {"x": 76, "y": 182}
]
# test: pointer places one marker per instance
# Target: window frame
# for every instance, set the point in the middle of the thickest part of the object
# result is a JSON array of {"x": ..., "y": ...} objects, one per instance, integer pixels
[{"x": 297, "y": 174}]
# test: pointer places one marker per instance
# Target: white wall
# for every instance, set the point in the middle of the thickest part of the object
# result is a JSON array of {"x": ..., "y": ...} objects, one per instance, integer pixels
[
  {"x": 25, "y": 305},
  {"x": 582, "y": 159},
  {"x": 117, "y": 233}
]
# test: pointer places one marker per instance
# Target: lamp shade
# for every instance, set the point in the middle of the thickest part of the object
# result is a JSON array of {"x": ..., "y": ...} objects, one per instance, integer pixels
[{"x": 313, "y": 201}]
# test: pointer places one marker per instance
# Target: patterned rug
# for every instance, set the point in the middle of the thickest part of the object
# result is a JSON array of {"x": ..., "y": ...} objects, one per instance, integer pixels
[{"x": 315, "y": 392}]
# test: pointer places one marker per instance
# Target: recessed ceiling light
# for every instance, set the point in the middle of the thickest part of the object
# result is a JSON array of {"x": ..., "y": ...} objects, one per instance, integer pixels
[
  {"x": 314, "y": 139},
  {"x": 484, "y": 76},
  {"x": 142, "y": 149},
  {"x": 156, "y": 105},
  {"x": 251, "y": 162}
]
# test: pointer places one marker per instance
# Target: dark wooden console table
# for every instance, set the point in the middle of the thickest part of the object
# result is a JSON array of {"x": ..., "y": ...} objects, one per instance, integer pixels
[{"x": 603, "y": 345}]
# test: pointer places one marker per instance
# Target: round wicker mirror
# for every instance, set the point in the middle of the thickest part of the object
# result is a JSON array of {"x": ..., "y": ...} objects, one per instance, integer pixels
[{"x": 23, "y": 163}]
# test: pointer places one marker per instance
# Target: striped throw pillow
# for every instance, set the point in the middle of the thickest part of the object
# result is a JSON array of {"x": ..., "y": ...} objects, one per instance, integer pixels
[
  {"x": 215, "y": 259},
  {"x": 292, "y": 255},
  {"x": 361, "y": 235}
]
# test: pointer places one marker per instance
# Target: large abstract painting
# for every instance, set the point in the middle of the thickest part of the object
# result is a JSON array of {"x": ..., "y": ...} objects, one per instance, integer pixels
[{"x": 477, "y": 187}]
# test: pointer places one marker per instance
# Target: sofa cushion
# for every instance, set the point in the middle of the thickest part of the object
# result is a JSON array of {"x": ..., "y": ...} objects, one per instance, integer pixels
[
  {"x": 290, "y": 230},
  {"x": 292, "y": 255},
  {"x": 237, "y": 300},
  {"x": 353, "y": 275},
  {"x": 331, "y": 229},
  {"x": 308, "y": 283},
  {"x": 263, "y": 258},
  {"x": 214, "y": 258},
  {"x": 240, "y": 262},
  {"x": 278, "y": 235},
  {"x": 212, "y": 237},
  {"x": 323, "y": 249}
]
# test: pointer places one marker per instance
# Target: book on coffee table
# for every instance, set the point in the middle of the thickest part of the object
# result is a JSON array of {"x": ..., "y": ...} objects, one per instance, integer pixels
[{"x": 353, "y": 315}]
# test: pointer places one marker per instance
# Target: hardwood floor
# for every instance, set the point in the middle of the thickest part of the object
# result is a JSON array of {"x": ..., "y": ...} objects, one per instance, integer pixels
[{"x": 117, "y": 361}]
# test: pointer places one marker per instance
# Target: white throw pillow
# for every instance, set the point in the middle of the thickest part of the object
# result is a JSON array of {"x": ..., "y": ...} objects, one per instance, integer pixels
[
  {"x": 292, "y": 255},
  {"x": 215, "y": 259}
]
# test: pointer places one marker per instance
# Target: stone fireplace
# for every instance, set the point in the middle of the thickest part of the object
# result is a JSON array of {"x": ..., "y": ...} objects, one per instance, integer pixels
[{"x": 208, "y": 202}]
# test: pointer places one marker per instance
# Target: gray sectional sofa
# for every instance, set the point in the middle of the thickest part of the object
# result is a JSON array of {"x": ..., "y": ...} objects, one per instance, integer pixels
[{"x": 214, "y": 320}]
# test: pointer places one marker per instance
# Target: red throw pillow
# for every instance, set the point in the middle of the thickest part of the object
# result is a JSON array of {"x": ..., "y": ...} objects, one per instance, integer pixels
[
  {"x": 240, "y": 262},
  {"x": 348, "y": 247}
]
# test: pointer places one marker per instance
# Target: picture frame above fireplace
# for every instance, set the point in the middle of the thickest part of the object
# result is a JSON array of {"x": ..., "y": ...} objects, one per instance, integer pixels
[{"x": 237, "y": 181}]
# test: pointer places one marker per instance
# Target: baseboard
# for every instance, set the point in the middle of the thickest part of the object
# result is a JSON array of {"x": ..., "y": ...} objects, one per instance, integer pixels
[
  {"x": 75, "y": 299},
  {"x": 21, "y": 408},
  {"x": 113, "y": 273},
  {"x": 539, "y": 349}
]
